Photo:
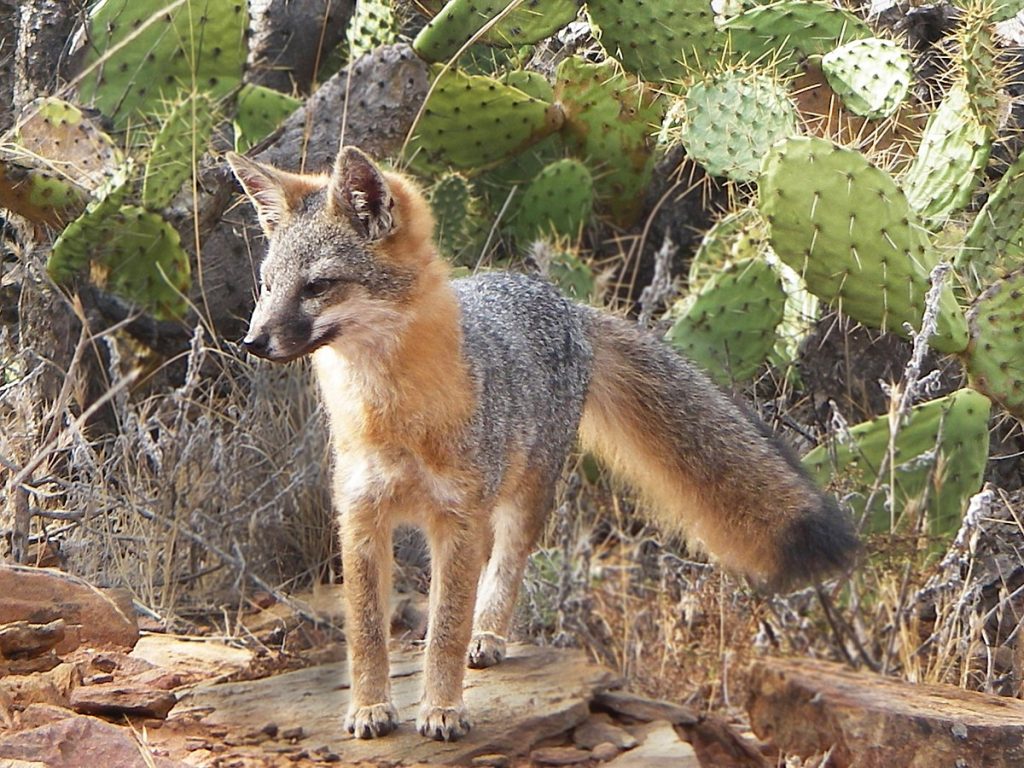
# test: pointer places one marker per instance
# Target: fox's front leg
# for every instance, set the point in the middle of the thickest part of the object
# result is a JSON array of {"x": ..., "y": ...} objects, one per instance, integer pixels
[
  {"x": 456, "y": 552},
  {"x": 366, "y": 558}
]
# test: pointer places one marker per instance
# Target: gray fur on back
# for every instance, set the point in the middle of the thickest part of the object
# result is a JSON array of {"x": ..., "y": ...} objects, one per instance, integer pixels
[{"x": 530, "y": 361}]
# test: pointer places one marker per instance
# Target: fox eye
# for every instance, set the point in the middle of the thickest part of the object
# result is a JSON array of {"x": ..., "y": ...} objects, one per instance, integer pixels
[{"x": 318, "y": 287}]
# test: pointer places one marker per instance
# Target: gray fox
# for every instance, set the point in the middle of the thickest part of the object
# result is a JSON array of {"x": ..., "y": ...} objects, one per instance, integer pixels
[{"x": 454, "y": 405}]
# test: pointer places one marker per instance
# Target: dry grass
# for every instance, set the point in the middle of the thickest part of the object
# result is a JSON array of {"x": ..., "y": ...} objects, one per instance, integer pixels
[{"x": 188, "y": 496}]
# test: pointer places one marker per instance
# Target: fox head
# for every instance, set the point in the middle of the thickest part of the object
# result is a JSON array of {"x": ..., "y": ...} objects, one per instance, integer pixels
[{"x": 344, "y": 253}]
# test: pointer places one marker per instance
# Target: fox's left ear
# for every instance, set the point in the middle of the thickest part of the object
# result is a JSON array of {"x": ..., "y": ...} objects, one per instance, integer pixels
[{"x": 359, "y": 191}]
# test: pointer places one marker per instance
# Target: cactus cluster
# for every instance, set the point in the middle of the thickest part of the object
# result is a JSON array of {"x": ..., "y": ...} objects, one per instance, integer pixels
[
  {"x": 658, "y": 42},
  {"x": 177, "y": 148},
  {"x": 872, "y": 76},
  {"x": 728, "y": 328},
  {"x": 57, "y": 158},
  {"x": 141, "y": 53},
  {"x": 848, "y": 229},
  {"x": 937, "y": 463},
  {"x": 259, "y": 112},
  {"x": 458, "y": 227},
  {"x": 787, "y": 32},
  {"x": 995, "y": 358},
  {"x": 729, "y": 120},
  {"x": 557, "y": 202},
  {"x": 609, "y": 120},
  {"x": 471, "y": 121}
]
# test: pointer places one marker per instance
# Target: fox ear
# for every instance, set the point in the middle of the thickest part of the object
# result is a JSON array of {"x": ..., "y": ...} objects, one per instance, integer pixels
[
  {"x": 266, "y": 187},
  {"x": 359, "y": 191}
]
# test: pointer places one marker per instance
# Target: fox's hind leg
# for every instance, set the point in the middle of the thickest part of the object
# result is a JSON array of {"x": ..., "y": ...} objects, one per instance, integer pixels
[{"x": 517, "y": 523}]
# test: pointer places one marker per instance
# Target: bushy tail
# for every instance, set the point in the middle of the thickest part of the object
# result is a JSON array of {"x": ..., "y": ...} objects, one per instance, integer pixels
[{"x": 706, "y": 467}]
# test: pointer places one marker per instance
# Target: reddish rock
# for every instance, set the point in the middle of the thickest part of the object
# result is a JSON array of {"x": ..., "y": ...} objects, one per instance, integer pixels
[
  {"x": 598, "y": 729},
  {"x": 102, "y": 618},
  {"x": 117, "y": 699},
  {"x": 79, "y": 741},
  {"x": 808, "y": 707},
  {"x": 559, "y": 756},
  {"x": 21, "y": 639},
  {"x": 51, "y": 687}
]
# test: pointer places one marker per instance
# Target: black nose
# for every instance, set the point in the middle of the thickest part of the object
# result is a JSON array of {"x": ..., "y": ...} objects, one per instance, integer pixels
[{"x": 257, "y": 345}]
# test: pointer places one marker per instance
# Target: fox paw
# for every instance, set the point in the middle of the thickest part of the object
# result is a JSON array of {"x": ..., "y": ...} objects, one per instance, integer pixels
[
  {"x": 373, "y": 721},
  {"x": 485, "y": 650},
  {"x": 443, "y": 723}
]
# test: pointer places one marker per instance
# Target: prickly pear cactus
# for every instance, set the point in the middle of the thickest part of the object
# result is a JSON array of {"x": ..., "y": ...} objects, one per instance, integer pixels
[
  {"x": 742, "y": 235},
  {"x": 609, "y": 122},
  {"x": 562, "y": 265},
  {"x": 729, "y": 327},
  {"x": 953, "y": 153},
  {"x": 56, "y": 159},
  {"x": 787, "y": 32},
  {"x": 938, "y": 463},
  {"x": 529, "y": 82},
  {"x": 373, "y": 24},
  {"x": 472, "y": 121},
  {"x": 179, "y": 145},
  {"x": 728, "y": 121},
  {"x": 134, "y": 253},
  {"x": 994, "y": 244},
  {"x": 557, "y": 202},
  {"x": 260, "y": 111},
  {"x": 871, "y": 76},
  {"x": 995, "y": 357},
  {"x": 845, "y": 226},
  {"x": 459, "y": 20},
  {"x": 459, "y": 220},
  {"x": 141, "y": 53},
  {"x": 657, "y": 41}
]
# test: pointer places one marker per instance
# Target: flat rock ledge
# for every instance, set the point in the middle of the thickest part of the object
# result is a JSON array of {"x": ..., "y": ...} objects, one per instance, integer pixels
[
  {"x": 868, "y": 721},
  {"x": 535, "y": 694}
]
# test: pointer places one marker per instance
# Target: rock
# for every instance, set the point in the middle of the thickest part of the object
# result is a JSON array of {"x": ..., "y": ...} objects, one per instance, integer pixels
[
  {"x": 599, "y": 728},
  {"x": 559, "y": 756},
  {"x": 645, "y": 710},
  {"x": 101, "y": 618},
  {"x": 118, "y": 699},
  {"x": 491, "y": 761},
  {"x": 21, "y": 639},
  {"x": 193, "y": 660},
  {"x": 661, "y": 748},
  {"x": 79, "y": 741},
  {"x": 50, "y": 687},
  {"x": 604, "y": 751},
  {"x": 535, "y": 694},
  {"x": 807, "y": 707}
]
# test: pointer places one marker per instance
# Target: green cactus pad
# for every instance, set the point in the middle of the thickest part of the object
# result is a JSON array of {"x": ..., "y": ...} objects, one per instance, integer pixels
[
  {"x": 529, "y": 82},
  {"x": 138, "y": 254},
  {"x": 473, "y": 121},
  {"x": 657, "y": 41},
  {"x": 459, "y": 20},
  {"x": 787, "y": 32},
  {"x": 260, "y": 111},
  {"x": 140, "y": 54},
  {"x": 995, "y": 357},
  {"x": 845, "y": 226},
  {"x": 871, "y": 76},
  {"x": 994, "y": 244},
  {"x": 557, "y": 202},
  {"x": 610, "y": 119},
  {"x": 566, "y": 269},
  {"x": 729, "y": 327},
  {"x": 952, "y": 156},
  {"x": 938, "y": 482},
  {"x": 56, "y": 159},
  {"x": 742, "y": 235},
  {"x": 730, "y": 120},
  {"x": 177, "y": 148},
  {"x": 373, "y": 24},
  {"x": 460, "y": 225}
]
